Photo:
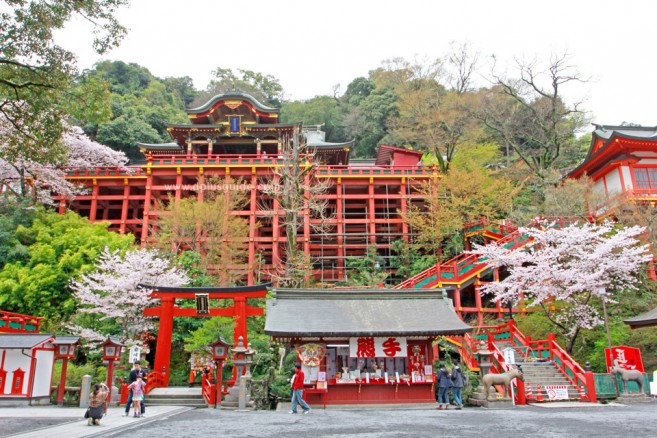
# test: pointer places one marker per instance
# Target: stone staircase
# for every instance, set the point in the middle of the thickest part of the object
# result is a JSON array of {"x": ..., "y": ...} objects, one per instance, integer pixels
[
  {"x": 176, "y": 396},
  {"x": 539, "y": 373}
]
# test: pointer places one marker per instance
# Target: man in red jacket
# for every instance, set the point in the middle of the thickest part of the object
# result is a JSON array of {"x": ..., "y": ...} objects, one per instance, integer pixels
[{"x": 297, "y": 391}]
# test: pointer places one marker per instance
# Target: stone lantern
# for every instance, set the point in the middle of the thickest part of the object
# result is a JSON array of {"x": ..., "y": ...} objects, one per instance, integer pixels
[
  {"x": 65, "y": 349},
  {"x": 238, "y": 396},
  {"x": 484, "y": 358}
]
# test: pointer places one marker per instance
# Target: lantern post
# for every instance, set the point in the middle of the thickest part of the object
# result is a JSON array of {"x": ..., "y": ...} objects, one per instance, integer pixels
[
  {"x": 65, "y": 349},
  {"x": 111, "y": 353},
  {"x": 219, "y": 354}
]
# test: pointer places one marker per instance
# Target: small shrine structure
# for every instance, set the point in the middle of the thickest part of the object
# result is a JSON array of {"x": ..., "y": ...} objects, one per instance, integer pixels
[{"x": 366, "y": 346}]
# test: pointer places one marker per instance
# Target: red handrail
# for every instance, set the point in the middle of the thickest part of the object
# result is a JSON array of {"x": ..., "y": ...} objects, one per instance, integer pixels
[
  {"x": 209, "y": 391},
  {"x": 21, "y": 320},
  {"x": 154, "y": 380}
]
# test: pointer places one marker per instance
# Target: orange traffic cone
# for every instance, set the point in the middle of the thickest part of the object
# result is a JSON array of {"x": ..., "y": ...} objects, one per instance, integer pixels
[
  {"x": 539, "y": 393},
  {"x": 583, "y": 397},
  {"x": 529, "y": 394}
]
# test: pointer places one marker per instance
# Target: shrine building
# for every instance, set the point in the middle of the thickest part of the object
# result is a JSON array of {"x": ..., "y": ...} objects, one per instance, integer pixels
[
  {"x": 365, "y": 346},
  {"x": 234, "y": 136},
  {"x": 622, "y": 160}
]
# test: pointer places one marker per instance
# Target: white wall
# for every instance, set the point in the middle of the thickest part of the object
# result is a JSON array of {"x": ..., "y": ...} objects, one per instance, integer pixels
[
  {"x": 627, "y": 176},
  {"x": 43, "y": 374},
  {"x": 613, "y": 182},
  {"x": 14, "y": 360}
]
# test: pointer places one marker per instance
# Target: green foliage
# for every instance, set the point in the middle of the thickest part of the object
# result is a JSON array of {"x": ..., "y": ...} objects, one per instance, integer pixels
[
  {"x": 367, "y": 270},
  {"x": 141, "y": 106},
  {"x": 321, "y": 110},
  {"x": 408, "y": 261},
  {"x": 54, "y": 249}
]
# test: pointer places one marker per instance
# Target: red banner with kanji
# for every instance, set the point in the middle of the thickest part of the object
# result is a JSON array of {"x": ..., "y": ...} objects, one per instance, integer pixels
[
  {"x": 371, "y": 346},
  {"x": 628, "y": 358}
]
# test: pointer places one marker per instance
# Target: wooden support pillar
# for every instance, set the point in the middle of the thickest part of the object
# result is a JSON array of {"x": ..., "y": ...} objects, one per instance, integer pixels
[
  {"x": 339, "y": 216},
  {"x": 480, "y": 309},
  {"x": 189, "y": 148},
  {"x": 306, "y": 218},
  {"x": 163, "y": 346},
  {"x": 371, "y": 213},
  {"x": 179, "y": 180},
  {"x": 276, "y": 229},
  {"x": 252, "y": 228},
  {"x": 147, "y": 207},
  {"x": 93, "y": 211},
  {"x": 457, "y": 301},
  {"x": 404, "y": 208},
  {"x": 498, "y": 304},
  {"x": 124, "y": 205}
]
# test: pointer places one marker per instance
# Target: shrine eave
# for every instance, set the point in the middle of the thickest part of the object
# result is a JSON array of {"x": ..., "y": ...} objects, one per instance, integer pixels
[
  {"x": 644, "y": 320},
  {"x": 310, "y": 313},
  {"x": 21, "y": 340},
  {"x": 194, "y": 290},
  {"x": 232, "y": 96}
]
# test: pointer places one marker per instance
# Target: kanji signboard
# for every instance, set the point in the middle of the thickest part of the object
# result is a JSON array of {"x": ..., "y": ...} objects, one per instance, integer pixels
[
  {"x": 370, "y": 346},
  {"x": 628, "y": 358}
]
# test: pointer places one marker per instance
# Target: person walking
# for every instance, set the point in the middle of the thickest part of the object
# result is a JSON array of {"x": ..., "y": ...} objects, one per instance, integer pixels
[
  {"x": 444, "y": 383},
  {"x": 137, "y": 389},
  {"x": 97, "y": 404},
  {"x": 136, "y": 371},
  {"x": 458, "y": 382},
  {"x": 297, "y": 391}
]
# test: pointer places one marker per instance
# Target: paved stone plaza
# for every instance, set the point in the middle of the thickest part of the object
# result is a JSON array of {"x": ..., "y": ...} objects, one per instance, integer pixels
[{"x": 549, "y": 420}]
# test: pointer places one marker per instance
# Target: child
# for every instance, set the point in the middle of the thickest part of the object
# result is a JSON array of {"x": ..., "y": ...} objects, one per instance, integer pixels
[{"x": 137, "y": 388}]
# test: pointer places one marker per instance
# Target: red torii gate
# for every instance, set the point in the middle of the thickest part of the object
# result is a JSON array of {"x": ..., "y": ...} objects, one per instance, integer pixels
[{"x": 167, "y": 310}]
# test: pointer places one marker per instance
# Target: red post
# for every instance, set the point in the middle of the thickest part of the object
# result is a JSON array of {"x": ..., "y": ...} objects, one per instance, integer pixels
[
  {"x": 110, "y": 376},
  {"x": 163, "y": 346},
  {"x": 62, "y": 383},
  {"x": 520, "y": 386},
  {"x": 590, "y": 386},
  {"x": 551, "y": 339},
  {"x": 219, "y": 383}
]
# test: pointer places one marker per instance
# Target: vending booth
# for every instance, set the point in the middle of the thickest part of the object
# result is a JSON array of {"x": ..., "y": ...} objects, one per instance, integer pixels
[{"x": 364, "y": 346}]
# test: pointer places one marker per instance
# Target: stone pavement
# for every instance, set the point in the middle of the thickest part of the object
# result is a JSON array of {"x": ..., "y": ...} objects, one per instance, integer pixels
[{"x": 54, "y": 422}]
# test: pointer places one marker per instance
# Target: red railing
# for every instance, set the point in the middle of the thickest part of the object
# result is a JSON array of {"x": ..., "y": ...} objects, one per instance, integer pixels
[
  {"x": 154, "y": 380},
  {"x": 566, "y": 364},
  {"x": 209, "y": 390},
  {"x": 465, "y": 266},
  {"x": 545, "y": 349},
  {"x": 11, "y": 322}
]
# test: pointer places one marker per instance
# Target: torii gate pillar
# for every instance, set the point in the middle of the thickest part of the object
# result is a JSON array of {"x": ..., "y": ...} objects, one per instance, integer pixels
[{"x": 167, "y": 310}]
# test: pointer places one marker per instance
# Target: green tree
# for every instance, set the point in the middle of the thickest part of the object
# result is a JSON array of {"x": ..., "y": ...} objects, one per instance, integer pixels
[
  {"x": 321, "y": 110},
  {"x": 38, "y": 90},
  {"x": 54, "y": 249},
  {"x": 367, "y": 270},
  {"x": 265, "y": 88}
]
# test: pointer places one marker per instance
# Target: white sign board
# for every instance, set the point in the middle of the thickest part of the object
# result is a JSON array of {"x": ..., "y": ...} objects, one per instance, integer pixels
[
  {"x": 557, "y": 392},
  {"x": 135, "y": 354},
  {"x": 369, "y": 346},
  {"x": 509, "y": 356}
]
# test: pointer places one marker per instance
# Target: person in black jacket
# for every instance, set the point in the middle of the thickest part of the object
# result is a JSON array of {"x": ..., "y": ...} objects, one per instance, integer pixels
[{"x": 136, "y": 371}]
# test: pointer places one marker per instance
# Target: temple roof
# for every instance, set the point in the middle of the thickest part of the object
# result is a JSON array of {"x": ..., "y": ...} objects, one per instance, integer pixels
[
  {"x": 644, "y": 320},
  {"x": 234, "y": 95},
  {"x": 20, "y": 340},
  {"x": 629, "y": 131},
  {"x": 612, "y": 143},
  {"x": 373, "y": 312}
]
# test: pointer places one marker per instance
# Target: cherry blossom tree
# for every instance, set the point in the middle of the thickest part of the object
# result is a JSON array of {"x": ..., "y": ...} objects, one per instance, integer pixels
[
  {"x": 114, "y": 292},
  {"x": 567, "y": 271},
  {"x": 28, "y": 173}
]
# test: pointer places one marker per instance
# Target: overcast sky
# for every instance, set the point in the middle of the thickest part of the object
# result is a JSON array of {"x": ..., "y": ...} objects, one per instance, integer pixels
[{"x": 311, "y": 46}]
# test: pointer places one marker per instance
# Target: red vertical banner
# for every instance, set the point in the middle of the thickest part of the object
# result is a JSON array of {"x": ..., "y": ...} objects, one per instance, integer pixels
[{"x": 628, "y": 358}]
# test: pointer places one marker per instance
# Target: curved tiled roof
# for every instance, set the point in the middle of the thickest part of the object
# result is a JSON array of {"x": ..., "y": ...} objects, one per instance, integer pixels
[
  {"x": 348, "y": 313},
  {"x": 231, "y": 96}
]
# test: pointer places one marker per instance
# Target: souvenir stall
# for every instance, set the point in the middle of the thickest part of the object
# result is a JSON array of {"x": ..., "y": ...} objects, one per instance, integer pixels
[{"x": 364, "y": 346}]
